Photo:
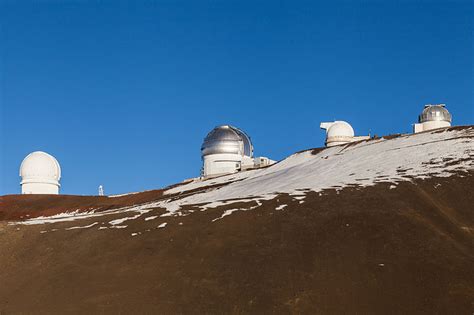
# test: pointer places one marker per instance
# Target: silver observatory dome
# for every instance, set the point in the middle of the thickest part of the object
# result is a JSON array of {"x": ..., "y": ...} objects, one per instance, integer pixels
[
  {"x": 435, "y": 113},
  {"x": 227, "y": 140}
]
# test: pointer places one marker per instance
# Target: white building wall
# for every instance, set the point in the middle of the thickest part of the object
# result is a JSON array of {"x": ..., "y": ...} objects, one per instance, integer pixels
[
  {"x": 221, "y": 164},
  {"x": 429, "y": 125},
  {"x": 338, "y": 140},
  {"x": 262, "y": 161},
  {"x": 39, "y": 188},
  {"x": 218, "y": 164},
  {"x": 247, "y": 163},
  {"x": 417, "y": 128}
]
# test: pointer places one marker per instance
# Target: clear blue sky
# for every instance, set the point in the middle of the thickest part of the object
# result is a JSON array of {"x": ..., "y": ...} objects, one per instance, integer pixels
[{"x": 122, "y": 94}]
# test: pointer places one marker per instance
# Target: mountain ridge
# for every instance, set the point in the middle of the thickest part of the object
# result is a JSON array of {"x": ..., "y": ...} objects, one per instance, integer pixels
[{"x": 396, "y": 237}]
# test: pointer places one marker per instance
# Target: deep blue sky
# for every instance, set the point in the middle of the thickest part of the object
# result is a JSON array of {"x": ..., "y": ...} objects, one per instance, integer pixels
[{"x": 122, "y": 94}]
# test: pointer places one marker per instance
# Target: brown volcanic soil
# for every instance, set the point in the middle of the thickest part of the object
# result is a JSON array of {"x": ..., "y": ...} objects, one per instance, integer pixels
[
  {"x": 408, "y": 250},
  {"x": 15, "y": 207},
  {"x": 23, "y": 207}
]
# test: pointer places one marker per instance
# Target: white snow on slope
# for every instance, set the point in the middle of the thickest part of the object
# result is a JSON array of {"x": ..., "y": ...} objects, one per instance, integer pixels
[
  {"x": 82, "y": 227},
  {"x": 63, "y": 217},
  {"x": 430, "y": 154},
  {"x": 123, "y": 195},
  {"x": 362, "y": 164},
  {"x": 162, "y": 225},
  {"x": 153, "y": 217}
]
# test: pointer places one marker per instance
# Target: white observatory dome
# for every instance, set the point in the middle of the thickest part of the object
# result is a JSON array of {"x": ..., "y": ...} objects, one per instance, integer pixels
[
  {"x": 40, "y": 173},
  {"x": 227, "y": 139},
  {"x": 338, "y": 132},
  {"x": 435, "y": 113},
  {"x": 340, "y": 129}
]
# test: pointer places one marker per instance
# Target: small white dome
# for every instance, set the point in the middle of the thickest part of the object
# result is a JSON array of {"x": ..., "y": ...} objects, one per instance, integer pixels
[
  {"x": 40, "y": 167},
  {"x": 337, "y": 132},
  {"x": 340, "y": 129}
]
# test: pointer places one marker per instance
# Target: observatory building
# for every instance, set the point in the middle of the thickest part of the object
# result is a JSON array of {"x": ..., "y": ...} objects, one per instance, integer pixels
[
  {"x": 40, "y": 174},
  {"x": 433, "y": 117},
  {"x": 227, "y": 149},
  {"x": 340, "y": 132}
]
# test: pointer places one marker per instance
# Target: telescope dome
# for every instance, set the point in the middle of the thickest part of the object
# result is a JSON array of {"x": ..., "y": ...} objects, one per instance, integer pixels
[
  {"x": 227, "y": 139},
  {"x": 435, "y": 113},
  {"x": 40, "y": 167},
  {"x": 340, "y": 129}
]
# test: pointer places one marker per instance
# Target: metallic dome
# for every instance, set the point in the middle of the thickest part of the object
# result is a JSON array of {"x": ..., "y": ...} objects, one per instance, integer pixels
[
  {"x": 227, "y": 139},
  {"x": 435, "y": 113}
]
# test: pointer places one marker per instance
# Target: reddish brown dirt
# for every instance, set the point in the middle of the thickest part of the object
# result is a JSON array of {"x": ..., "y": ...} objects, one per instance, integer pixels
[
  {"x": 376, "y": 250},
  {"x": 15, "y": 207},
  {"x": 23, "y": 207}
]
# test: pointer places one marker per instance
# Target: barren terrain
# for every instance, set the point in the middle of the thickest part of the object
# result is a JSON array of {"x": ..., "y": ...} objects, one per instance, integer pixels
[{"x": 368, "y": 228}]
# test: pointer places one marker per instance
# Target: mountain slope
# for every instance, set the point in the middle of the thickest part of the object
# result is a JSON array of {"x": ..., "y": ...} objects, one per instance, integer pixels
[{"x": 382, "y": 226}]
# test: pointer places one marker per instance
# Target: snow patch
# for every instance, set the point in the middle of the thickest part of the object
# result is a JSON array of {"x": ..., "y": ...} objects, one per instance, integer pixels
[
  {"x": 153, "y": 217},
  {"x": 226, "y": 213},
  {"x": 82, "y": 227}
]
